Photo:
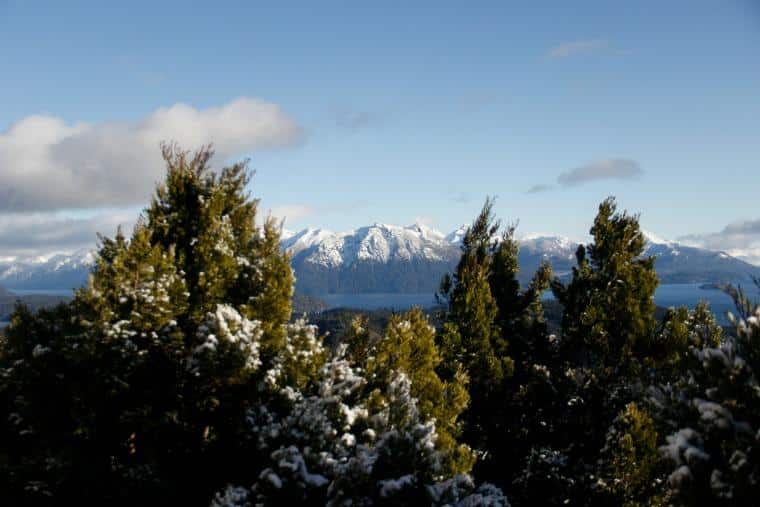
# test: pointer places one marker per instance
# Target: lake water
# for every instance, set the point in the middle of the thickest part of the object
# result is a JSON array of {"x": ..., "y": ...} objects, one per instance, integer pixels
[
  {"x": 666, "y": 296},
  {"x": 51, "y": 292}
]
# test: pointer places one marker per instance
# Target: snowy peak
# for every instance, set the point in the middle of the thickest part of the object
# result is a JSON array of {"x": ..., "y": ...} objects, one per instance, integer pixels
[
  {"x": 390, "y": 258},
  {"x": 456, "y": 236},
  {"x": 654, "y": 239},
  {"x": 383, "y": 243},
  {"x": 379, "y": 243},
  {"x": 322, "y": 246},
  {"x": 549, "y": 246},
  {"x": 54, "y": 271}
]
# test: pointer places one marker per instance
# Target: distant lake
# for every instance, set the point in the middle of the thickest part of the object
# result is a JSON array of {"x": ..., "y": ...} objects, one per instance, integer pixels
[
  {"x": 688, "y": 294},
  {"x": 682, "y": 294},
  {"x": 49, "y": 292}
]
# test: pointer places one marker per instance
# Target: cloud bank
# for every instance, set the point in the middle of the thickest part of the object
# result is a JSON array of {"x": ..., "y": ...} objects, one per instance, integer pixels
[
  {"x": 740, "y": 239},
  {"x": 27, "y": 235},
  {"x": 47, "y": 164},
  {"x": 607, "y": 169}
]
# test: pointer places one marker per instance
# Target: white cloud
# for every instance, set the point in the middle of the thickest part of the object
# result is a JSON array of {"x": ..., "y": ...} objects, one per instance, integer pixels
[
  {"x": 740, "y": 239},
  {"x": 578, "y": 47},
  {"x": 48, "y": 164},
  {"x": 33, "y": 234},
  {"x": 607, "y": 169}
]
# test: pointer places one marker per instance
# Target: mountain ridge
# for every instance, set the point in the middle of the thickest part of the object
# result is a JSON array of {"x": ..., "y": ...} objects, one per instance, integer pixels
[{"x": 390, "y": 258}]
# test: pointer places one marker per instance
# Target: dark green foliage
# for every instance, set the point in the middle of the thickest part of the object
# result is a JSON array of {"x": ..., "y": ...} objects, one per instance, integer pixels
[
  {"x": 408, "y": 347},
  {"x": 496, "y": 332},
  {"x": 609, "y": 319},
  {"x": 178, "y": 371},
  {"x": 606, "y": 344},
  {"x": 632, "y": 472},
  {"x": 149, "y": 403},
  {"x": 8, "y": 302},
  {"x": 471, "y": 335},
  {"x": 712, "y": 451}
]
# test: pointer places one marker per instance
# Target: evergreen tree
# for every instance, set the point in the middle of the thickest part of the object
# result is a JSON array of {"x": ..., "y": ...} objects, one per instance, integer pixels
[
  {"x": 409, "y": 347},
  {"x": 607, "y": 346},
  {"x": 334, "y": 443},
  {"x": 632, "y": 472},
  {"x": 176, "y": 329},
  {"x": 471, "y": 337},
  {"x": 608, "y": 321},
  {"x": 713, "y": 451},
  {"x": 497, "y": 333},
  {"x": 175, "y": 372}
]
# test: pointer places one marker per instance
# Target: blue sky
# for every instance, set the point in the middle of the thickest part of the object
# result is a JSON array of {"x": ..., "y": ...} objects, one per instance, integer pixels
[{"x": 396, "y": 113}]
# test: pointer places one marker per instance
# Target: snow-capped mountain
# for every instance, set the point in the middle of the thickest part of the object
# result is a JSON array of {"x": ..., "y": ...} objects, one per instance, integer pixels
[
  {"x": 389, "y": 258},
  {"x": 678, "y": 263},
  {"x": 379, "y": 243},
  {"x": 377, "y": 258},
  {"x": 58, "y": 271}
]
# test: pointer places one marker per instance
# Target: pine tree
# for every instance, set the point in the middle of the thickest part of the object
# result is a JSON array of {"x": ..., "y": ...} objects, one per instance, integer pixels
[
  {"x": 209, "y": 220},
  {"x": 608, "y": 345},
  {"x": 177, "y": 327},
  {"x": 631, "y": 473},
  {"x": 713, "y": 451},
  {"x": 496, "y": 331},
  {"x": 409, "y": 347},
  {"x": 471, "y": 336},
  {"x": 608, "y": 319},
  {"x": 334, "y": 443}
]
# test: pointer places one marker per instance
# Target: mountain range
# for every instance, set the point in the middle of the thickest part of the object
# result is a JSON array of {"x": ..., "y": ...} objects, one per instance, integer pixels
[{"x": 396, "y": 259}]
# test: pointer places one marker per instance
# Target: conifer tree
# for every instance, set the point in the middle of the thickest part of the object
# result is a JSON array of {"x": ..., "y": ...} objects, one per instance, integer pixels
[
  {"x": 334, "y": 442},
  {"x": 712, "y": 452},
  {"x": 497, "y": 332},
  {"x": 471, "y": 336},
  {"x": 608, "y": 318},
  {"x": 177, "y": 327},
  {"x": 608, "y": 343},
  {"x": 409, "y": 347},
  {"x": 632, "y": 469}
]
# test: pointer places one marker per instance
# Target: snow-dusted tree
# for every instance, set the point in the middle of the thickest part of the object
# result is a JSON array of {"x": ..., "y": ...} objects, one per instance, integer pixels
[
  {"x": 715, "y": 451},
  {"x": 208, "y": 219},
  {"x": 335, "y": 443},
  {"x": 176, "y": 329},
  {"x": 175, "y": 372},
  {"x": 408, "y": 347}
]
